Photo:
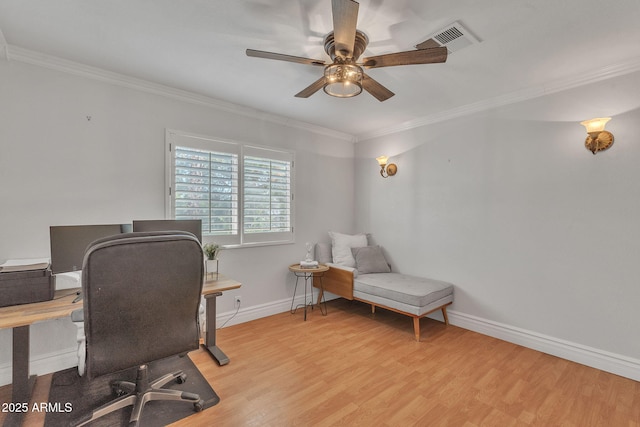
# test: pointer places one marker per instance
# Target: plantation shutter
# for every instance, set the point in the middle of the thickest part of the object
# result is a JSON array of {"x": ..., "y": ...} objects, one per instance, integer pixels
[
  {"x": 206, "y": 188},
  {"x": 204, "y": 184},
  {"x": 243, "y": 194},
  {"x": 267, "y": 207}
]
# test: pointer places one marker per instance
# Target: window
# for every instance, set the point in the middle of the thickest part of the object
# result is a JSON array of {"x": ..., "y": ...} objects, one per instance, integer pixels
[{"x": 243, "y": 194}]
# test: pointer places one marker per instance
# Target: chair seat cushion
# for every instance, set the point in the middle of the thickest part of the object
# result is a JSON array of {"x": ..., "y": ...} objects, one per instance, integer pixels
[{"x": 402, "y": 288}]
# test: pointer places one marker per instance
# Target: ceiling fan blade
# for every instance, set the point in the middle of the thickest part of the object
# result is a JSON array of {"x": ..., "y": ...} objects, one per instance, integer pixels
[
  {"x": 428, "y": 44},
  {"x": 312, "y": 88},
  {"x": 283, "y": 57},
  {"x": 423, "y": 56},
  {"x": 380, "y": 92},
  {"x": 345, "y": 19}
]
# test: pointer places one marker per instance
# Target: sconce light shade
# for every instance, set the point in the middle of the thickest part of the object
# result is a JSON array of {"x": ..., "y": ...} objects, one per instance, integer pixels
[
  {"x": 595, "y": 125},
  {"x": 386, "y": 170},
  {"x": 598, "y": 138}
]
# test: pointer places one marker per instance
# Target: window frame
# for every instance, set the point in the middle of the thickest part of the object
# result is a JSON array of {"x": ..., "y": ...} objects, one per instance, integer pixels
[{"x": 207, "y": 143}]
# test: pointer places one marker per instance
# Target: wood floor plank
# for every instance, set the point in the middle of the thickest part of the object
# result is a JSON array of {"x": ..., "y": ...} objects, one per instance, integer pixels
[{"x": 352, "y": 368}]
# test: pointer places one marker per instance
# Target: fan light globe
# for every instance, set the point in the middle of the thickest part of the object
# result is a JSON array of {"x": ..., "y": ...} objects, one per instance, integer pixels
[{"x": 343, "y": 80}]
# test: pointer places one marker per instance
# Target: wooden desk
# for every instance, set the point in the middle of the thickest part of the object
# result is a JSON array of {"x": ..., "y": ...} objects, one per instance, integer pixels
[
  {"x": 21, "y": 317},
  {"x": 211, "y": 290},
  {"x": 59, "y": 307}
]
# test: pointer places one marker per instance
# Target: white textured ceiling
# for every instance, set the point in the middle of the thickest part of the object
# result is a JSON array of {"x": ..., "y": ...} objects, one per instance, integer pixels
[{"x": 199, "y": 46}]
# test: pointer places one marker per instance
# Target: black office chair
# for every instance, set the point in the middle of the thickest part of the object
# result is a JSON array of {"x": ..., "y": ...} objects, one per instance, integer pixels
[{"x": 141, "y": 297}]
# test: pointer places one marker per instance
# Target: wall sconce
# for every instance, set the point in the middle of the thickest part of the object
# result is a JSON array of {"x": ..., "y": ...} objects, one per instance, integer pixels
[
  {"x": 598, "y": 139},
  {"x": 386, "y": 170}
]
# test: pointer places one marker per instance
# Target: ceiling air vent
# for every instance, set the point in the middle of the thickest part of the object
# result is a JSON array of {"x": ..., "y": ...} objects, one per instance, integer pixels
[{"x": 454, "y": 37}]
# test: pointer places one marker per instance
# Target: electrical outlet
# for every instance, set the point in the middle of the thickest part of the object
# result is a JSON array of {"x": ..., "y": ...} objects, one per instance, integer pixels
[{"x": 238, "y": 300}]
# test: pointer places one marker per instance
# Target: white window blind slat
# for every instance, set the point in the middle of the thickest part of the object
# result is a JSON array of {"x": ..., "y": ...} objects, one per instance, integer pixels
[
  {"x": 243, "y": 194},
  {"x": 206, "y": 188},
  {"x": 267, "y": 195}
]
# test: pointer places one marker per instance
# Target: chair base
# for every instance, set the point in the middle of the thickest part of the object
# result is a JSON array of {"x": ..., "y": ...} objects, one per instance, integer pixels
[{"x": 142, "y": 391}]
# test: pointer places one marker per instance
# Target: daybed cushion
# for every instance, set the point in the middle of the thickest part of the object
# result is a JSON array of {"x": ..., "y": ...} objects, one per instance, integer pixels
[
  {"x": 341, "y": 245},
  {"x": 370, "y": 259},
  {"x": 415, "y": 295}
]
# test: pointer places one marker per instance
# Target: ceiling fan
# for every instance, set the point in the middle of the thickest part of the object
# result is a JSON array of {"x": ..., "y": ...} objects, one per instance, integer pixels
[{"x": 344, "y": 76}]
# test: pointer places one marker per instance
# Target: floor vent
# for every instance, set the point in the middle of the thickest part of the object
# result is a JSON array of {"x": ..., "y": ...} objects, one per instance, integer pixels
[{"x": 454, "y": 37}]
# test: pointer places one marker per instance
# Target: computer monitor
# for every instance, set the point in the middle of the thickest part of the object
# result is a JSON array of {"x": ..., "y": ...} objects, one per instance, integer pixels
[
  {"x": 69, "y": 243},
  {"x": 193, "y": 226}
]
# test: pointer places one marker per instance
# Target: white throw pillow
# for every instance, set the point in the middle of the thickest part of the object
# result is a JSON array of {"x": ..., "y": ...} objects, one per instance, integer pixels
[{"x": 341, "y": 245}]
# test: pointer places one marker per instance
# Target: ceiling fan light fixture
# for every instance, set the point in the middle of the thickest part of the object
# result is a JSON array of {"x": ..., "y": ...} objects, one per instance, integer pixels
[
  {"x": 343, "y": 77},
  {"x": 343, "y": 80}
]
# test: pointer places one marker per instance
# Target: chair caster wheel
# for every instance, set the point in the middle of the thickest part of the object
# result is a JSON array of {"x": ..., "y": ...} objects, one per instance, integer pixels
[
  {"x": 181, "y": 379},
  {"x": 118, "y": 392},
  {"x": 198, "y": 406}
]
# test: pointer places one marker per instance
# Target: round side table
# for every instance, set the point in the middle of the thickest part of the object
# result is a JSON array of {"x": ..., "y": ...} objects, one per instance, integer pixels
[{"x": 308, "y": 274}]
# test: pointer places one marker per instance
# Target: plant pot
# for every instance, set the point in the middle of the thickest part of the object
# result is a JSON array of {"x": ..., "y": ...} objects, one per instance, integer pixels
[{"x": 211, "y": 269}]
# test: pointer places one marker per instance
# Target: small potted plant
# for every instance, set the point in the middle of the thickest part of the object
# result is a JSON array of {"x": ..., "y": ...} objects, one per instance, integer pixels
[{"x": 211, "y": 251}]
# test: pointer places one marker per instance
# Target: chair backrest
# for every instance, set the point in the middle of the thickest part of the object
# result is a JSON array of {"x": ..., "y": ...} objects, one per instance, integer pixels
[{"x": 141, "y": 298}]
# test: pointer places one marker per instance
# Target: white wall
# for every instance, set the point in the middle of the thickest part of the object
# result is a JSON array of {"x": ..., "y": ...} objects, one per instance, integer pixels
[
  {"x": 59, "y": 168},
  {"x": 538, "y": 235}
]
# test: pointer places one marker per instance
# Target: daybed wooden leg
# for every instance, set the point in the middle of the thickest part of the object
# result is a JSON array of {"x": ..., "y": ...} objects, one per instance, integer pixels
[
  {"x": 444, "y": 314},
  {"x": 373, "y": 309},
  {"x": 320, "y": 296},
  {"x": 416, "y": 327}
]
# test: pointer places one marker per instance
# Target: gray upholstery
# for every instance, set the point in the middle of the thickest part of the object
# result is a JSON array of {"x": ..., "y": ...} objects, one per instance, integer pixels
[
  {"x": 415, "y": 295},
  {"x": 370, "y": 259},
  {"x": 141, "y": 298}
]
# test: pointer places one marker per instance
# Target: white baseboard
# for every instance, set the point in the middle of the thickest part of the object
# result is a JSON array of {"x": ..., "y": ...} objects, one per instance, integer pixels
[
  {"x": 606, "y": 361},
  {"x": 44, "y": 364},
  {"x": 258, "y": 311}
]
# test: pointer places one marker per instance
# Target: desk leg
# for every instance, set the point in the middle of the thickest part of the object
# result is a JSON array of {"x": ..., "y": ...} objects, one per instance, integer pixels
[
  {"x": 210, "y": 339},
  {"x": 22, "y": 387}
]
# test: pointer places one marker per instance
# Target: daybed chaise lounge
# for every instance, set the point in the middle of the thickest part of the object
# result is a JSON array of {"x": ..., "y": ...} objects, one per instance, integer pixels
[{"x": 368, "y": 278}]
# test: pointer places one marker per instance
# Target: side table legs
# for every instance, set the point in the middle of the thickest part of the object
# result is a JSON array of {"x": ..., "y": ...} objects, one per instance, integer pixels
[{"x": 308, "y": 281}]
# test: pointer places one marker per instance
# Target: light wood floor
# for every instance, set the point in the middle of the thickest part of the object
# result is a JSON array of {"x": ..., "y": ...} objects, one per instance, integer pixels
[{"x": 347, "y": 369}]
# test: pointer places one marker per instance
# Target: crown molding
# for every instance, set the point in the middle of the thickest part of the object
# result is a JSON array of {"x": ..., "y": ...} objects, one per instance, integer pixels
[
  {"x": 14, "y": 53},
  {"x": 548, "y": 88}
]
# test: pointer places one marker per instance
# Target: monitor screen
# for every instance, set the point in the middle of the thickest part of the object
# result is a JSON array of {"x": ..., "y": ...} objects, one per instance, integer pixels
[
  {"x": 69, "y": 243},
  {"x": 191, "y": 225}
]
